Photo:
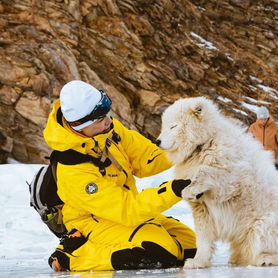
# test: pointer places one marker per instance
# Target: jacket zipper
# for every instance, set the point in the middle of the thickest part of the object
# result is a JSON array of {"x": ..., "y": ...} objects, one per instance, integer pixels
[{"x": 264, "y": 136}]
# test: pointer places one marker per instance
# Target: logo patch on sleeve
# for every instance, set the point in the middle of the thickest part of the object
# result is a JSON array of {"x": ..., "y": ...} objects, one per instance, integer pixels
[{"x": 91, "y": 188}]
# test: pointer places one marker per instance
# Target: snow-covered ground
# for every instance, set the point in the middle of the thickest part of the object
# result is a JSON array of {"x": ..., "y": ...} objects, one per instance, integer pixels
[{"x": 26, "y": 243}]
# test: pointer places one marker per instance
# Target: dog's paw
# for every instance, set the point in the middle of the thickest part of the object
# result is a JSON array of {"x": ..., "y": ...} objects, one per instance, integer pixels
[
  {"x": 266, "y": 260},
  {"x": 196, "y": 263},
  {"x": 191, "y": 194}
]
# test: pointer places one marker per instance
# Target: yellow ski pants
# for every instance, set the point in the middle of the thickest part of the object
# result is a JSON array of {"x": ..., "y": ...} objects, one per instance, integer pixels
[{"x": 159, "y": 243}]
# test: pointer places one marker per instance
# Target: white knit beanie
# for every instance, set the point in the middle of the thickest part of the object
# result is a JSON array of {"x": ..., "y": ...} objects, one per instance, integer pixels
[
  {"x": 262, "y": 113},
  {"x": 78, "y": 99}
]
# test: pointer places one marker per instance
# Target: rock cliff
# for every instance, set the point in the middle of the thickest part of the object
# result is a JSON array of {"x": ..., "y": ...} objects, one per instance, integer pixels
[{"x": 145, "y": 53}]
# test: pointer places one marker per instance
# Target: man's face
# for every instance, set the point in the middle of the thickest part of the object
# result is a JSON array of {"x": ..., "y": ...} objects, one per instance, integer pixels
[
  {"x": 263, "y": 121},
  {"x": 101, "y": 126}
]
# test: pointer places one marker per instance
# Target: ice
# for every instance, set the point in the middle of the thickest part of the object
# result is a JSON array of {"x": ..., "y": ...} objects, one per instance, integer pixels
[{"x": 26, "y": 243}]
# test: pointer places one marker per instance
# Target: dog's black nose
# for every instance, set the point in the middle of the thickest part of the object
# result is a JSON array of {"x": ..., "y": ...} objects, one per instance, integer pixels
[{"x": 158, "y": 142}]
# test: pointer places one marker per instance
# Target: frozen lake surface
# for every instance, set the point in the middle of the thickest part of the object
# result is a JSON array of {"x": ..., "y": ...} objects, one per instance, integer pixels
[{"x": 26, "y": 243}]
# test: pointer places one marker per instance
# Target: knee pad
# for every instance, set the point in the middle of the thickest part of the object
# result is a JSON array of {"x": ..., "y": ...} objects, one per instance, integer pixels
[
  {"x": 189, "y": 253},
  {"x": 151, "y": 255}
]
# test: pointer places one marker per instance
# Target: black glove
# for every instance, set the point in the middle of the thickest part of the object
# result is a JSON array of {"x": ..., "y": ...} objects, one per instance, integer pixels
[{"x": 179, "y": 185}]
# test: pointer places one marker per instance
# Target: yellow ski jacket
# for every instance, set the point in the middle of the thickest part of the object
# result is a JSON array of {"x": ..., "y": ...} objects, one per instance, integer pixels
[{"x": 91, "y": 198}]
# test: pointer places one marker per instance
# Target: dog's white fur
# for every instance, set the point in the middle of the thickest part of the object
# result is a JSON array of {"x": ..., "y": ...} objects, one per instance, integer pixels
[{"x": 236, "y": 176}]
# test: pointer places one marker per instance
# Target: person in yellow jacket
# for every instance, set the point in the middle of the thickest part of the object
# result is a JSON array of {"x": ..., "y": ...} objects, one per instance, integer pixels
[{"x": 111, "y": 225}]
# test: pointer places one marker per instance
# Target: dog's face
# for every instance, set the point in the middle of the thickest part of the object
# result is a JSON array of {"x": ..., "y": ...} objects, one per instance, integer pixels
[{"x": 186, "y": 125}]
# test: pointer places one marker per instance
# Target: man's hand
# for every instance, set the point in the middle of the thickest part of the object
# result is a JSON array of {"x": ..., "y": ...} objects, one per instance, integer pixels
[{"x": 179, "y": 185}]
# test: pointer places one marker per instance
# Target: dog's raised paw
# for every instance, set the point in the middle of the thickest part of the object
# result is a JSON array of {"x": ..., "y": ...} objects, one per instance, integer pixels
[
  {"x": 195, "y": 263},
  {"x": 266, "y": 260}
]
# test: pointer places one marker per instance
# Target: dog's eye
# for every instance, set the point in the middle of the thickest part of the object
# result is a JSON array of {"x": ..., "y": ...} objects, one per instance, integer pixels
[
  {"x": 173, "y": 126},
  {"x": 198, "y": 109}
]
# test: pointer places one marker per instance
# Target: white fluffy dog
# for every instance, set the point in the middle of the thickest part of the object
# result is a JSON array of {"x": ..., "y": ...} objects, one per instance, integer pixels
[{"x": 234, "y": 188}]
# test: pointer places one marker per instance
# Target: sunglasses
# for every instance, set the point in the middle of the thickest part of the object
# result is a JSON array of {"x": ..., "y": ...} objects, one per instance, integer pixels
[{"x": 100, "y": 111}]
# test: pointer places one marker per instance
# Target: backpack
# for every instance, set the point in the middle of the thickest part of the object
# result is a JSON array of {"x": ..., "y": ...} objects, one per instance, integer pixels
[
  {"x": 43, "y": 188},
  {"x": 45, "y": 200}
]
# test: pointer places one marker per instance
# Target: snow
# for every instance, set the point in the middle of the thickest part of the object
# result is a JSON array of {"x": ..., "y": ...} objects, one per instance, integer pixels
[
  {"x": 266, "y": 103},
  {"x": 254, "y": 89},
  {"x": 224, "y": 99},
  {"x": 240, "y": 111},
  {"x": 228, "y": 55},
  {"x": 26, "y": 243},
  {"x": 259, "y": 102},
  {"x": 273, "y": 93},
  {"x": 254, "y": 78},
  {"x": 250, "y": 107},
  {"x": 201, "y": 9},
  {"x": 203, "y": 43}
]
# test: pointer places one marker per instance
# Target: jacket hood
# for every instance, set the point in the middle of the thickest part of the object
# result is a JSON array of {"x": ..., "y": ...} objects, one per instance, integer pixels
[
  {"x": 62, "y": 138},
  {"x": 269, "y": 122}
]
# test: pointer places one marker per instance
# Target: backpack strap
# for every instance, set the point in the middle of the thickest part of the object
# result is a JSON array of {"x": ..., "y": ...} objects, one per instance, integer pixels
[
  {"x": 53, "y": 164},
  {"x": 116, "y": 137},
  {"x": 71, "y": 157},
  {"x": 108, "y": 154},
  {"x": 59, "y": 117}
]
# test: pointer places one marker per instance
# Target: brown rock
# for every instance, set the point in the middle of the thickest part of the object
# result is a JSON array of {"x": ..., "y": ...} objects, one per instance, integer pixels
[
  {"x": 33, "y": 108},
  {"x": 8, "y": 95},
  {"x": 146, "y": 54}
]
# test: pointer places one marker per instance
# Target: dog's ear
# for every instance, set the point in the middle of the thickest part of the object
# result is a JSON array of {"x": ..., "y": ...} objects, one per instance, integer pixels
[{"x": 197, "y": 111}]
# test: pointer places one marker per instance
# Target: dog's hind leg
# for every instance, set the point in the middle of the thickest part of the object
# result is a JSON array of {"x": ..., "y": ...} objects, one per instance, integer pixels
[
  {"x": 267, "y": 235},
  {"x": 259, "y": 245},
  {"x": 240, "y": 254}
]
